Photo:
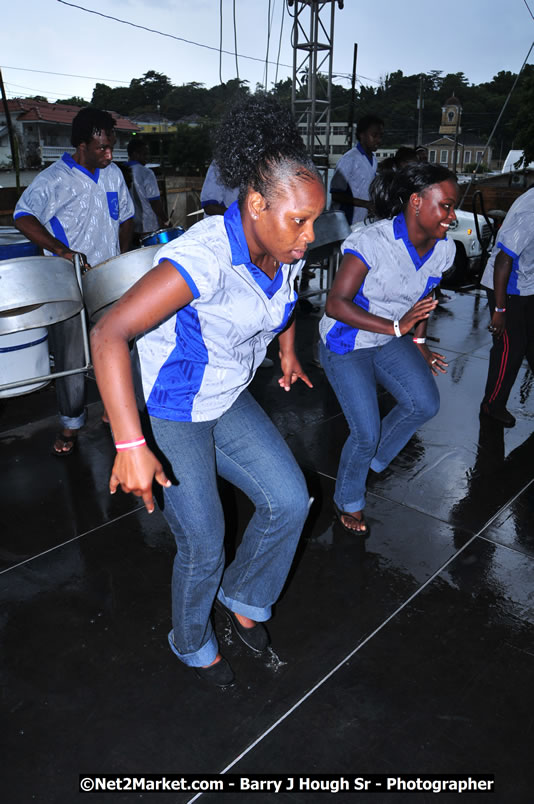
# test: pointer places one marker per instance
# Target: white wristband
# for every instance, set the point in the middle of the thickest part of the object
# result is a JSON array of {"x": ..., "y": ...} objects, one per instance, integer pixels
[
  {"x": 120, "y": 445},
  {"x": 396, "y": 329},
  {"x": 419, "y": 340}
]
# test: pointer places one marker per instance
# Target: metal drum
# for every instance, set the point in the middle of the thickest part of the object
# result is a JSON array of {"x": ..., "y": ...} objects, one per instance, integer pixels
[
  {"x": 24, "y": 355},
  {"x": 108, "y": 281},
  {"x": 36, "y": 292},
  {"x": 13, "y": 244},
  {"x": 162, "y": 236}
]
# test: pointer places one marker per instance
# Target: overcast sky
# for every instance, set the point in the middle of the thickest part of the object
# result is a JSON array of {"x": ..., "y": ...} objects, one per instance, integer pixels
[{"x": 476, "y": 37}]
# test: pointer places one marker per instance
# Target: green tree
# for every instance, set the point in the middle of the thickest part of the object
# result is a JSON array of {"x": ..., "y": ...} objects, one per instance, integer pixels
[
  {"x": 523, "y": 122},
  {"x": 190, "y": 149},
  {"x": 74, "y": 101},
  {"x": 102, "y": 96},
  {"x": 149, "y": 90}
]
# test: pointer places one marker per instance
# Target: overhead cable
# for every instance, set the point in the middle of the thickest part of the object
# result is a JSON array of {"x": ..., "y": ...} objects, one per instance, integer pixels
[
  {"x": 220, "y": 39},
  {"x": 279, "y": 43},
  {"x": 162, "y": 33},
  {"x": 65, "y": 75},
  {"x": 235, "y": 46}
]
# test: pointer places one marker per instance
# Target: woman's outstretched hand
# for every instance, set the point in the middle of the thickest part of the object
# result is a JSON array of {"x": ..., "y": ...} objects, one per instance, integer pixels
[
  {"x": 435, "y": 360},
  {"x": 418, "y": 312},
  {"x": 134, "y": 471},
  {"x": 292, "y": 371}
]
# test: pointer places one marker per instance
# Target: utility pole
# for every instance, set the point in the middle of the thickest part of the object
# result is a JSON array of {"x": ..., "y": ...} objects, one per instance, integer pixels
[
  {"x": 313, "y": 48},
  {"x": 420, "y": 105},
  {"x": 12, "y": 141},
  {"x": 352, "y": 96}
]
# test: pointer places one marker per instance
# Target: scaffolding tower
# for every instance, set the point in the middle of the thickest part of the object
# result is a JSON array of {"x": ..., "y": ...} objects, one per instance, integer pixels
[{"x": 311, "y": 94}]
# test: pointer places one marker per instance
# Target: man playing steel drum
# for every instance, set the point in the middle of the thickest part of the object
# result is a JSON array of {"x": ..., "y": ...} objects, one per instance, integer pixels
[{"x": 80, "y": 204}]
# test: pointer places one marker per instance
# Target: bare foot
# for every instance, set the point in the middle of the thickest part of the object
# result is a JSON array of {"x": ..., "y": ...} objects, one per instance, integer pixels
[
  {"x": 353, "y": 521},
  {"x": 246, "y": 622},
  {"x": 215, "y": 661},
  {"x": 65, "y": 442}
]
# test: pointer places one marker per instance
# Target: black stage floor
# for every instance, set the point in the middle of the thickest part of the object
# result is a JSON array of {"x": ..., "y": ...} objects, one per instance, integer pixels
[{"x": 411, "y": 651}]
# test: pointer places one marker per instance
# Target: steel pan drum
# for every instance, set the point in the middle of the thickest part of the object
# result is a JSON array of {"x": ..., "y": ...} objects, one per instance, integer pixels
[
  {"x": 24, "y": 355},
  {"x": 107, "y": 282},
  {"x": 13, "y": 244},
  {"x": 36, "y": 292},
  {"x": 162, "y": 236}
]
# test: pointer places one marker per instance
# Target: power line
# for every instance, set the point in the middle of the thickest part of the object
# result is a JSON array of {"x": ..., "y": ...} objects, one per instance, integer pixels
[
  {"x": 235, "y": 45},
  {"x": 65, "y": 75},
  {"x": 266, "y": 73},
  {"x": 220, "y": 39},
  {"x": 279, "y": 43},
  {"x": 40, "y": 91},
  {"x": 162, "y": 33}
]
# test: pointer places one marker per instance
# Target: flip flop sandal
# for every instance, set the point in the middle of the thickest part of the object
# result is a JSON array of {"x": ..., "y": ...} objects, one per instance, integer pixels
[
  {"x": 64, "y": 440},
  {"x": 361, "y": 520}
]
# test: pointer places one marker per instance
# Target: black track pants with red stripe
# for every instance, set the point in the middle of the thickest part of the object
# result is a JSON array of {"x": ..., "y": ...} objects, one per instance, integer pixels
[{"x": 508, "y": 351}]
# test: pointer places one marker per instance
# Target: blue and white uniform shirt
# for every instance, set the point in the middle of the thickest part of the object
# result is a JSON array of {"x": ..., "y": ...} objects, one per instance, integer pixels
[
  {"x": 354, "y": 173},
  {"x": 82, "y": 209},
  {"x": 197, "y": 362},
  {"x": 214, "y": 191},
  {"x": 397, "y": 277},
  {"x": 516, "y": 238},
  {"x": 144, "y": 190}
]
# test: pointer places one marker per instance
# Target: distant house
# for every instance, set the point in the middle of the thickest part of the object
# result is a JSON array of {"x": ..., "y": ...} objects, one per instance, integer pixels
[
  {"x": 42, "y": 131},
  {"x": 153, "y": 123},
  {"x": 452, "y": 149}
]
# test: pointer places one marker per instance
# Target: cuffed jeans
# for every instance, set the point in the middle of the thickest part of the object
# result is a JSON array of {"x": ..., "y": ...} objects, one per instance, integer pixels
[
  {"x": 244, "y": 447},
  {"x": 66, "y": 344},
  {"x": 402, "y": 370}
]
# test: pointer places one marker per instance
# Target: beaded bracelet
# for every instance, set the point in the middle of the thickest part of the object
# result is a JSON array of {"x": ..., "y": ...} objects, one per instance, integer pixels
[
  {"x": 120, "y": 445},
  {"x": 500, "y": 309},
  {"x": 396, "y": 329},
  {"x": 419, "y": 340}
]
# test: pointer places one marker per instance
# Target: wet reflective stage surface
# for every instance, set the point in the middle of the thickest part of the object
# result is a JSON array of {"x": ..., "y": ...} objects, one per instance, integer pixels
[{"x": 411, "y": 651}]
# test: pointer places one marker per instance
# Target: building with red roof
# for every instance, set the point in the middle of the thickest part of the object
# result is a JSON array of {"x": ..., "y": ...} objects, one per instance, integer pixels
[{"x": 42, "y": 131}]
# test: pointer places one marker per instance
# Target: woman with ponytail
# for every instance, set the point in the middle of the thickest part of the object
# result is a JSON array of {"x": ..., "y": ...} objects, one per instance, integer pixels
[
  {"x": 205, "y": 315},
  {"x": 382, "y": 291}
]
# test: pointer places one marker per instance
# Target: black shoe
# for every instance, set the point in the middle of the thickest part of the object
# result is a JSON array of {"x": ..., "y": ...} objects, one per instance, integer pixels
[
  {"x": 256, "y": 638},
  {"x": 219, "y": 674},
  {"x": 499, "y": 414}
]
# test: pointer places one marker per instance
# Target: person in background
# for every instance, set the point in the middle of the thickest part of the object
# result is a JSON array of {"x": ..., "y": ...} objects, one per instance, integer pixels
[
  {"x": 149, "y": 213},
  {"x": 79, "y": 204},
  {"x": 509, "y": 280},
  {"x": 208, "y": 309},
  {"x": 355, "y": 171},
  {"x": 382, "y": 290},
  {"x": 215, "y": 196},
  {"x": 422, "y": 153}
]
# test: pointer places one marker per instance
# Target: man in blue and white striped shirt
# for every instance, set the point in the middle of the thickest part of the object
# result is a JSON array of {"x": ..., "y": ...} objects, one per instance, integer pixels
[{"x": 80, "y": 204}]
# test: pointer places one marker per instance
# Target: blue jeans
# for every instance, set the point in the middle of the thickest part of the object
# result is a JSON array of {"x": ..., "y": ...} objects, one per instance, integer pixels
[
  {"x": 244, "y": 447},
  {"x": 401, "y": 369},
  {"x": 66, "y": 344}
]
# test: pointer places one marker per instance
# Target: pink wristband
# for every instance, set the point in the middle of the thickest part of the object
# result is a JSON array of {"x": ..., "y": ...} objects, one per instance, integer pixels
[{"x": 120, "y": 445}]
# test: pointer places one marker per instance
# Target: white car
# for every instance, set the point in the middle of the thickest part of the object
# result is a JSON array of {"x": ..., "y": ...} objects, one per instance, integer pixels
[{"x": 468, "y": 247}]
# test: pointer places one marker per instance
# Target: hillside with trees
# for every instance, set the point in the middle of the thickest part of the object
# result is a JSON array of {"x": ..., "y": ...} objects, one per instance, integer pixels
[{"x": 395, "y": 99}]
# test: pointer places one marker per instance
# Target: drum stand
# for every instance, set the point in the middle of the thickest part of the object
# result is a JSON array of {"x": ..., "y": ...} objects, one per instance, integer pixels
[{"x": 77, "y": 261}]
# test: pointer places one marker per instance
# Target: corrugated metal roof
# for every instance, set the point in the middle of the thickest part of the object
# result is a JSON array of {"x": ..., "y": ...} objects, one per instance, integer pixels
[{"x": 39, "y": 111}]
